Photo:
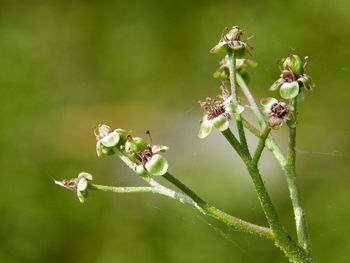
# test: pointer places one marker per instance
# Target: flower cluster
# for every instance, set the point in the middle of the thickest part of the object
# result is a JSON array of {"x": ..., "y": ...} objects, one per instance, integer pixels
[
  {"x": 145, "y": 156},
  {"x": 293, "y": 77},
  {"x": 78, "y": 185}
]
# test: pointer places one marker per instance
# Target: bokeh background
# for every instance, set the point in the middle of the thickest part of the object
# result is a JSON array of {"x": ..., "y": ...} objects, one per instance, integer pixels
[{"x": 66, "y": 66}]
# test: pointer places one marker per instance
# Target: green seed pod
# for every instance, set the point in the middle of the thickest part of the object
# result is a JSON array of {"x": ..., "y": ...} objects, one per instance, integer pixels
[
  {"x": 289, "y": 90},
  {"x": 82, "y": 196},
  {"x": 294, "y": 63},
  {"x": 82, "y": 184},
  {"x": 111, "y": 139},
  {"x": 158, "y": 165},
  {"x": 140, "y": 170},
  {"x": 135, "y": 144}
]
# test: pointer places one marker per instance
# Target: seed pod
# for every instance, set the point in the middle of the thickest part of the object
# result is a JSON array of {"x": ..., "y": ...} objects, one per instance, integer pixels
[
  {"x": 158, "y": 165},
  {"x": 111, "y": 139},
  {"x": 135, "y": 144},
  {"x": 82, "y": 185},
  {"x": 82, "y": 196},
  {"x": 140, "y": 170},
  {"x": 294, "y": 63},
  {"x": 289, "y": 90}
]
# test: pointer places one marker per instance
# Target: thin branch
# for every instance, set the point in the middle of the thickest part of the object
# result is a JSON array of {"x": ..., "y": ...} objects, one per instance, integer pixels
[
  {"x": 299, "y": 214},
  {"x": 200, "y": 204},
  {"x": 261, "y": 146},
  {"x": 233, "y": 83}
]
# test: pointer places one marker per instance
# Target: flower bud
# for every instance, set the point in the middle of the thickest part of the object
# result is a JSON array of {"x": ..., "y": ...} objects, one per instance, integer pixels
[
  {"x": 157, "y": 165},
  {"x": 294, "y": 63},
  {"x": 135, "y": 144}
]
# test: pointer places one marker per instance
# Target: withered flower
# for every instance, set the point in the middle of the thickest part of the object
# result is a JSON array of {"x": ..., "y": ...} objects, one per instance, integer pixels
[
  {"x": 218, "y": 112},
  {"x": 277, "y": 112}
]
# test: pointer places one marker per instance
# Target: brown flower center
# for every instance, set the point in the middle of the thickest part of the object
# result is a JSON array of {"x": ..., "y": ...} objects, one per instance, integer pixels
[
  {"x": 279, "y": 110},
  {"x": 215, "y": 107}
]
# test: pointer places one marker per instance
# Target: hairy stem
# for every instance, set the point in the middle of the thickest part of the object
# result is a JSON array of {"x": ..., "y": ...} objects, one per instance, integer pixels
[
  {"x": 282, "y": 239},
  {"x": 261, "y": 146},
  {"x": 287, "y": 165},
  {"x": 290, "y": 169},
  {"x": 218, "y": 214},
  {"x": 197, "y": 202},
  {"x": 233, "y": 83}
]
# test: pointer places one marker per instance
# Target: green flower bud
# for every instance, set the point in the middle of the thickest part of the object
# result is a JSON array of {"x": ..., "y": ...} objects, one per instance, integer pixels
[
  {"x": 294, "y": 63},
  {"x": 157, "y": 165},
  {"x": 289, "y": 90},
  {"x": 135, "y": 144},
  {"x": 110, "y": 139}
]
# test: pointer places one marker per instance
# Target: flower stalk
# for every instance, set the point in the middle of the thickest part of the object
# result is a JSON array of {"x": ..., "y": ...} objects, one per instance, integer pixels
[{"x": 148, "y": 163}]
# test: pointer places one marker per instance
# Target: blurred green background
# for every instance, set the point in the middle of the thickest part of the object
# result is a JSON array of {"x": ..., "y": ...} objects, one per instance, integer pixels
[{"x": 66, "y": 66}]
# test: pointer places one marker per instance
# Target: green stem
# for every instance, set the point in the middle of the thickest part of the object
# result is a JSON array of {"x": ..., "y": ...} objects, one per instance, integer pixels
[
  {"x": 261, "y": 146},
  {"x": 233, "y": 83},
  {"x": 218, "y": 214},
  {"x": 288, "y": 166},
  {"x": 270, "y": 142},
  {"x": 193, "y": 199},
  {"x": 230, "y": 137},
  {"x": 290, "y": 169},
  {"x": 281, "y": 237}
]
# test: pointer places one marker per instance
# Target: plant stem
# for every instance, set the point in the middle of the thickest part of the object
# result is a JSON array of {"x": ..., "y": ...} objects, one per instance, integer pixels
[
  {"x": 270, "y": 142},
  {"x": 261, "y": 146},
  {"x": 288, "y": 166},
  {"x": 218, "y": 214},
  {"x": 233, "y": 83},
  {"x": 193, "y": 199},
  {"x": 282, "y": 239},
  {"x": 290, "y": 169}
]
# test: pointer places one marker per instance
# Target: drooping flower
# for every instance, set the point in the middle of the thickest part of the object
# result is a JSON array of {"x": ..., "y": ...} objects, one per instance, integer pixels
[
  {"x": 277, "y": 112},
  {"x": 218, "y": 112},
  {"x": 293, "y": 77},
  {"x": 78, "y": 185}
]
